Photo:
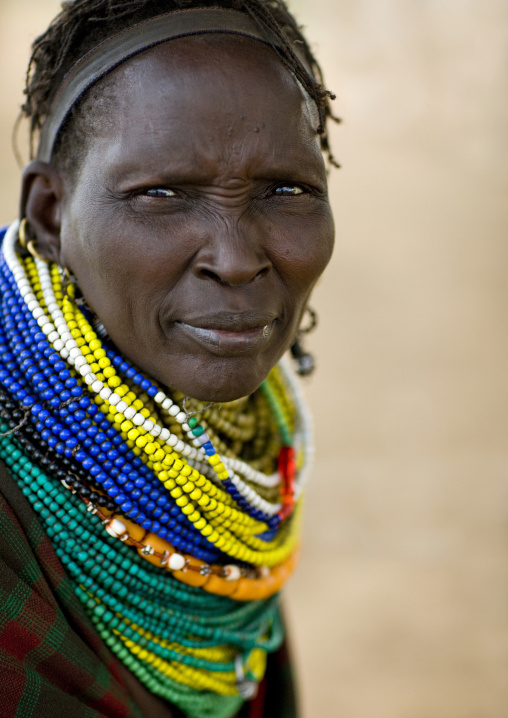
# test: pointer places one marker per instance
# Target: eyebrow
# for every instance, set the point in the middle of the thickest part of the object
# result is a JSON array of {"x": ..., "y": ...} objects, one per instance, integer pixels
[{"x": 303, "y": 167}]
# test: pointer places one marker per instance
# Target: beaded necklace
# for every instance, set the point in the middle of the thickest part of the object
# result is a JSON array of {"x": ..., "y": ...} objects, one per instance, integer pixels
[{"x": 112, "y": 462}]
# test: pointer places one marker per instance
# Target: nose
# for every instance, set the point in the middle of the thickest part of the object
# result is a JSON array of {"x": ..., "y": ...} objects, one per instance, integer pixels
[{"x": 233, "y": 256}]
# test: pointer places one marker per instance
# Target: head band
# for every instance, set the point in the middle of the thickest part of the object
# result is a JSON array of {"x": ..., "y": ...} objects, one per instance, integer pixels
[{"x": 119, "y": 48}]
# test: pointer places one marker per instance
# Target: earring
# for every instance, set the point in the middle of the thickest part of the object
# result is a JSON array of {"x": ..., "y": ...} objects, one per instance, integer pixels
[
  {"x": 22, "y": 233},
  {"x": 28, "y": 244},
  {"x": 304, "y": 360}
]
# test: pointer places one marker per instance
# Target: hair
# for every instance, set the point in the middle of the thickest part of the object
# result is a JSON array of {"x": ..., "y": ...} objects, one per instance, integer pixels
[{"x": 83, "y": 24}]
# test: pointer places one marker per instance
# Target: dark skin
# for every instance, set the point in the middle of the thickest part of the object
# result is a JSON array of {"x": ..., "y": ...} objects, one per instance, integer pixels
[
  {"x": 197, "y": 224},
  {"x": 202, "y": 199},
  {"x": 199, "y": 220}
]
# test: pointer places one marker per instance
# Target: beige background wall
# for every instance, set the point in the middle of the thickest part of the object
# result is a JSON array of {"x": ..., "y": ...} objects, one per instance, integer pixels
[{"x": 400, "y": 606}]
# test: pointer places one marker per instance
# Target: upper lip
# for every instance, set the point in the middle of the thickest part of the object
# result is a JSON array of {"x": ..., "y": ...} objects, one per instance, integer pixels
[{"x": 231, "y": 321}]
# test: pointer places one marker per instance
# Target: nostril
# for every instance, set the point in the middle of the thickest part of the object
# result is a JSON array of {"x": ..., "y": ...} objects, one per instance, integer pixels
[
  {"x": 232, "y": 279},
  {"x": 208, "y": 274}
]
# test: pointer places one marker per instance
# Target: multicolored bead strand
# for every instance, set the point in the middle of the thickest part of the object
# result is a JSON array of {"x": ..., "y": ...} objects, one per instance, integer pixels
[{"x": 159, "y": 507}]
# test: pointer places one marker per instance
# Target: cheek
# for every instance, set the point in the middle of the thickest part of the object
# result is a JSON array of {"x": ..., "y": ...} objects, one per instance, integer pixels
[
  {"x": 303, "y": 249},
  {"x": 116, "y": 262}
]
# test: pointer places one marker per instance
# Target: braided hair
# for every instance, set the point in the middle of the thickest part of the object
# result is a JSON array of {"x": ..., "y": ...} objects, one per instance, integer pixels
[{"x": 83, "y": 24}]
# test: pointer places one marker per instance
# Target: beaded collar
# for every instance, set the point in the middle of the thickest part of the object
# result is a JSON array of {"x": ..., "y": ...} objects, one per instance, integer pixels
[{"x": 170, "y": 517}]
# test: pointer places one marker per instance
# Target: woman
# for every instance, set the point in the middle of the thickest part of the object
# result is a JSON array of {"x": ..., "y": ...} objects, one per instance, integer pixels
[{"x": 173, "y": 225}]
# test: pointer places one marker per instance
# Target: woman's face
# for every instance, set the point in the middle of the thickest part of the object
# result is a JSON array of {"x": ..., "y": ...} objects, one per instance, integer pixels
[{"x": 199, "y": 221}]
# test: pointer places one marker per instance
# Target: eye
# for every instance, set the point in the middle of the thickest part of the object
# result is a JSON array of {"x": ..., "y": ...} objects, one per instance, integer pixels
[
  {"x": 288, "y": 190},
  {"x": 159, "y": 192}
]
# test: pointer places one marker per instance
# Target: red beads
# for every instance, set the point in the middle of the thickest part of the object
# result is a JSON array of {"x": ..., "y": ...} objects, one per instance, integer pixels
[{"x": 287, "y": 470}]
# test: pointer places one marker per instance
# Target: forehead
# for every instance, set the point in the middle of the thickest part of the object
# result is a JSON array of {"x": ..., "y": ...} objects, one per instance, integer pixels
[
  {"x": 205, "y": 94},
  {"x": 191, "y": 62}
]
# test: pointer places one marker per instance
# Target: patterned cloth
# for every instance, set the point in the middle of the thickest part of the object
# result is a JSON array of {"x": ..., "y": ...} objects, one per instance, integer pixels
[{"x": 52, "y": 662}]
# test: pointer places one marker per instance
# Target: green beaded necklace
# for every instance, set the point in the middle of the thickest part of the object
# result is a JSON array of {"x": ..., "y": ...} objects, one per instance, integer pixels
[{"x": 149, "y": 620}]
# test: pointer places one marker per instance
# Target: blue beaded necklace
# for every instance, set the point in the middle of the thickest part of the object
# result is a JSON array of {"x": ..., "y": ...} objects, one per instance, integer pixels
[{"x": 201, "y": 652}]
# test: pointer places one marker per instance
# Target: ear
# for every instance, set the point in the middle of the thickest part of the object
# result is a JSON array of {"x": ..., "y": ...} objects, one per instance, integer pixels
[{"x": 41, "y": 203}]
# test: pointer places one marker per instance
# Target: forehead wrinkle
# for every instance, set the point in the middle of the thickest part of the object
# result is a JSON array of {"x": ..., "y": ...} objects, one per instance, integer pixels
[{"x": 205, "y": 162}]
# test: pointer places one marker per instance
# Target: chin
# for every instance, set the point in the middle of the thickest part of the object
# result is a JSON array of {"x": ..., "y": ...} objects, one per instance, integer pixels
[
  {"x": 221, "y": 395},
  {"x": 223, "y": 381}
]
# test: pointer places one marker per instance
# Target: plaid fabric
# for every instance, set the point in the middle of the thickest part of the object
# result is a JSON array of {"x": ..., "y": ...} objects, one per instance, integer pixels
[{"x": 52, "y": 662}]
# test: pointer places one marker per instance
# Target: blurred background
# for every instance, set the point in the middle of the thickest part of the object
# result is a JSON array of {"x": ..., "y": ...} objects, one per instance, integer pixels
[{"x": 400, "y": 605}]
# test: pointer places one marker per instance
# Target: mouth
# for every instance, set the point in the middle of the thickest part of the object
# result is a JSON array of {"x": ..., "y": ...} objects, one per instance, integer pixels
[{"x": 229, "y": 334}]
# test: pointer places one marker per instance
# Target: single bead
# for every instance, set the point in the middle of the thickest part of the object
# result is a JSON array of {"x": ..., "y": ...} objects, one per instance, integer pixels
[
  {"x": 176, "y": 562},
  {"x": 232, "y": 572},
  {"x": 115, "y": 528}
]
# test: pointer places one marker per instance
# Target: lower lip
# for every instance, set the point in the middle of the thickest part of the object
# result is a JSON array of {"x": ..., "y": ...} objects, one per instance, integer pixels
[{"x": 227, "y": 343}]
